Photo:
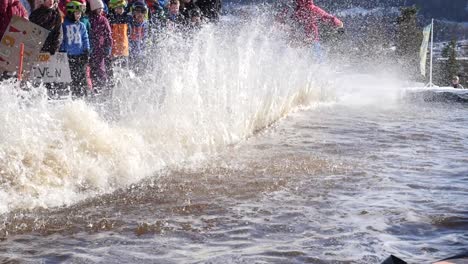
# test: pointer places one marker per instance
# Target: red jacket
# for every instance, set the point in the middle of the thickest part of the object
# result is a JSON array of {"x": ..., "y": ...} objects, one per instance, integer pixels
[
  {"x": 308, "y": 15},
  {"x": 8, "y": 9}
]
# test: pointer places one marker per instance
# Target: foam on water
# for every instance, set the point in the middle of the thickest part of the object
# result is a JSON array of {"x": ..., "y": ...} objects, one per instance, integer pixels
[
  {"x": 216, "y": 88},
  {"x": 381, "y": 90}
]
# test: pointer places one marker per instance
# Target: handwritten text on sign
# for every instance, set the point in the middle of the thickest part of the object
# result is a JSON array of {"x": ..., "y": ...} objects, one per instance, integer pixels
[{"x": 48, "y": 68}]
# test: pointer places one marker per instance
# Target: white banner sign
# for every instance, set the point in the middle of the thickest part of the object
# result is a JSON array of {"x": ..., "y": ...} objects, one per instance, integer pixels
[{"x": 48, "y": 68}]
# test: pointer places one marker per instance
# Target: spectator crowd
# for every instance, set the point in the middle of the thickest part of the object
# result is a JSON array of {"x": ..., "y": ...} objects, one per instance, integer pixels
[{"x": 97, "y": 35}]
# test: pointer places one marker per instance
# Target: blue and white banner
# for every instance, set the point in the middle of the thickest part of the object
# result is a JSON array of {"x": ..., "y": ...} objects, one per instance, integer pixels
[{"x": 424, "y": 46}]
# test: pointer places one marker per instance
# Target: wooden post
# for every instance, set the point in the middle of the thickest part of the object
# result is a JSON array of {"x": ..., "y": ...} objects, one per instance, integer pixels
[{"x": 21, "y": 57}]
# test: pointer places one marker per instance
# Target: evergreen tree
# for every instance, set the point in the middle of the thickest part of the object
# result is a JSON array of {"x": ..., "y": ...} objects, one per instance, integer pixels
[
  {"x": 450, "y": 67},
  {"x": 408, "y": 41}
]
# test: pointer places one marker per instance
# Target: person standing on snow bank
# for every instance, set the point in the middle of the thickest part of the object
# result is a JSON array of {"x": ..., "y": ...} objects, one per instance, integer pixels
[
  {"x": 210, "y": 9},
  {"x": 101, "y": 45},
  {"x": 456, "y": 83},
  {"x": 120, "y": 23},
  {"x": 138, "y": 37},
  {"x": 175, "y": 18},
  {"x": 308, "y": 16},
  {"x": 186, "y": 6},
  {"x": 76, "y": 44},
  {"x": 48, "y": 17}
]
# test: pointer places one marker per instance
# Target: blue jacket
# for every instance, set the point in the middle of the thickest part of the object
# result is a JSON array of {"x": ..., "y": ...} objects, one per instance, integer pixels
[
  {"x": 75, "y": 38},
  {"x": 137, "y": 38}
]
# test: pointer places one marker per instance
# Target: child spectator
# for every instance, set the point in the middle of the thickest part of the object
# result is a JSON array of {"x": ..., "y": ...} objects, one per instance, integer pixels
[
  {"x": 157, "y": 15},
  {"x": 158, "y": 20},
  {"x": 138, "y": 36},
  {"x": 186, "y": 6},
  {"x": 196, "y": 19},
  {"x": 48, "y": 17},
  {"x": 101, "y": 44},
  {"x": 76, "y": 44},
  {"x": 174, "y": 14},
  {"x": 210, "y": 9},
  {"x": 153, "y": 7},
  {"x": 84, "y": 17},
  {"x": 120, "y": 25},
  {"x": 132, "y": 3}
]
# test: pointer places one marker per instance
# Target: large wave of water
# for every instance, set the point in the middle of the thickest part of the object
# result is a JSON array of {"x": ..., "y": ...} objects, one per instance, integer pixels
[{"x": 201, "y": 93}]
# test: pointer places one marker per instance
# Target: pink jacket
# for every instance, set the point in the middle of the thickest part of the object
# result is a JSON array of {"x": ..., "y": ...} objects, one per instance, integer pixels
[
  {"x": 9, "y": 8},
  {"x": 101, "y": 35},
  {"x": 308, "y": 15}
]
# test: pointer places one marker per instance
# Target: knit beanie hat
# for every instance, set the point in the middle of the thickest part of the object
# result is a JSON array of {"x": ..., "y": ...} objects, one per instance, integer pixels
[{"x": 95, "y": 4}]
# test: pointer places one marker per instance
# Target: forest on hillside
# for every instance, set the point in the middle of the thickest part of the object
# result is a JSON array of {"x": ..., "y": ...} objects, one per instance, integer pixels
[{"x": 455, "y": 10}]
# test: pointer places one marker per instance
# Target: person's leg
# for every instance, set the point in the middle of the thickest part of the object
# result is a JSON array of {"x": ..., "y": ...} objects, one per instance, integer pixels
[
  {"x": 98, "y": 72},
  {"x": 75, "y": 75},
  {"x": 3, "y": 76},
  {"x": 88, "y": 77},
  {"x": 109, "y": 72},
  {"x": 318, "y": 53},
  {"x": 7, "y": 75},
  {"x": 81, "y": 75}
]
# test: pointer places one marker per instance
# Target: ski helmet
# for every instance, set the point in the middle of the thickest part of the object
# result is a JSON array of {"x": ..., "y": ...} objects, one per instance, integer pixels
[
  {"x": 139, "y": 7},
  {"x": 113, "y": 4},
  {"x": 195, "y": 12},
  {"x": 74, "y": 6}
]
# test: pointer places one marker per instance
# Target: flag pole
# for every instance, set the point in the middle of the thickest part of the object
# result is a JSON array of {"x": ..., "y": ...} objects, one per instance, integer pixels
[{"x": 432, "y": 48}]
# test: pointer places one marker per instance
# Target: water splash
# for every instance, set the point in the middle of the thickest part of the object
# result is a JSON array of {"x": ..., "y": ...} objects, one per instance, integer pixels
[{"x": 213, "y": 88}]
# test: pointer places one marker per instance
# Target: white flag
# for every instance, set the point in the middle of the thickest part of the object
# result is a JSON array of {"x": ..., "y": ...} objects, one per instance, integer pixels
[{"x": 423, "y": 51}]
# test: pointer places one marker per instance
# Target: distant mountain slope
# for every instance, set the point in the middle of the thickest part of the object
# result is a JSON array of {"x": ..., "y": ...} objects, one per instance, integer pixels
[{"x": 454, "y": 10}]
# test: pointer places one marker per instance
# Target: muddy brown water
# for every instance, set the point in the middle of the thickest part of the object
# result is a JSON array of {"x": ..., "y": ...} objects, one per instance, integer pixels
[{"x": 332, "y": 184}]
